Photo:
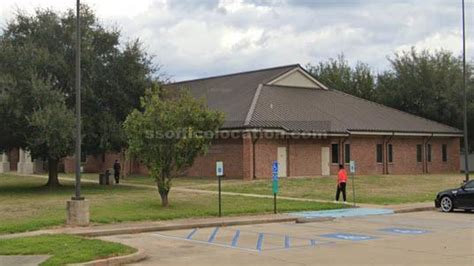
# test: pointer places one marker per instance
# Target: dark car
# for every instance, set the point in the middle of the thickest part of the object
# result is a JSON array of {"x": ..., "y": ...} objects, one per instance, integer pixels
[{"x": 456, "y": 198}]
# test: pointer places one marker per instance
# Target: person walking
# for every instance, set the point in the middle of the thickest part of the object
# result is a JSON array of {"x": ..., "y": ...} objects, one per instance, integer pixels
[
  {"x": 117, "y": 168},
  {"x": 341, "y": 183}
]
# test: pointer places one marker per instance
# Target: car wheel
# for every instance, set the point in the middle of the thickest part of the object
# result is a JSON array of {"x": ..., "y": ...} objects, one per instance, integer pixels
[{"x": 446, "y": 204}]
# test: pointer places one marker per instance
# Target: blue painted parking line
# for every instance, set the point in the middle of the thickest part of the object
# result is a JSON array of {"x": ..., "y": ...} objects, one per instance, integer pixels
[
  {"x": 349, "y": 237},
  {"x": 235, "y": 238},
  {"x": 192, "y": 233},
  {"x": 213, "y": 235},
  {"x": 404, "y": 231},
  {"x": 312, "y": 242},
  {"x": 287, "y": 242},
  {"x": 260, "y": 242}
]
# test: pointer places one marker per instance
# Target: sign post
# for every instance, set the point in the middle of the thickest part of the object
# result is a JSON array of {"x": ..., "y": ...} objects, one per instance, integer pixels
[
  {"x": 352, "y": 169},
  {"x": 275, "y": 185},
  {"x": 219, "y": 174}
]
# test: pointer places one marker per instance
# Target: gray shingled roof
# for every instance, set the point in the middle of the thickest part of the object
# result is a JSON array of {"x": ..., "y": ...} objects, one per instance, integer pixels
[
  {"x": 297, "y": 109},
  {"x": 232, "y": 94}
]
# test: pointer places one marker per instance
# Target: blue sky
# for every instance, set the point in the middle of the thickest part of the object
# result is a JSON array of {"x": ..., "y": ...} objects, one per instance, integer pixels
[{"x": 197, "y": 38}]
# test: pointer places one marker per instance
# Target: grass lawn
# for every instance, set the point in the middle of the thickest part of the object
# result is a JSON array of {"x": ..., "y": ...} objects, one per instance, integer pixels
[
  {"x": 26, "y": 204},
  {"x": 369, "y": 189},
  {"x": 64, "y": 249}
]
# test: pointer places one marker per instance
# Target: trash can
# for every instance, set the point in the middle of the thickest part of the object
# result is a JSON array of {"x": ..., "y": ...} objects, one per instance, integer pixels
[{"x": 101, "y": 179}]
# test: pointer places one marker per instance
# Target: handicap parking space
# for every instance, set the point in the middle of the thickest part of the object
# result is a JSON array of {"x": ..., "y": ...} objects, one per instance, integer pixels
[
  {"x": 244, "y": 238},
  {"x": 414, "y": 238}
]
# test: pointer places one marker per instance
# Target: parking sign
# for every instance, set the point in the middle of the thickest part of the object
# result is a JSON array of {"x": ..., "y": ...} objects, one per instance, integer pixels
[
  {"x": 219, "y": 168},
  {"x": 352, "y": 167}
]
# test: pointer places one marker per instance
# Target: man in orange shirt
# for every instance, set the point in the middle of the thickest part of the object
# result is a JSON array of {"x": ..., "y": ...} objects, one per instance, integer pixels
[{"x": 341, "y": 183}]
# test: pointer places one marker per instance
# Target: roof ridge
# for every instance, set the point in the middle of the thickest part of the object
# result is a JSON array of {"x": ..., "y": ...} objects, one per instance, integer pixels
[
  {"x": 235, "y": 74},
  {"x": 251, "y": 110},
  {"x": 392, "y": 108}
]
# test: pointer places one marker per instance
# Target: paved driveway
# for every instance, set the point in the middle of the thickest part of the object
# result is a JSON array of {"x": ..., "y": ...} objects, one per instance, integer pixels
[{"x": 412, "y": 238}]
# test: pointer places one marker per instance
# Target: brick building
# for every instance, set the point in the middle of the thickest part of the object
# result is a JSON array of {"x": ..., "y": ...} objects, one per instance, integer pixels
[{"x": 284, "y": 114}]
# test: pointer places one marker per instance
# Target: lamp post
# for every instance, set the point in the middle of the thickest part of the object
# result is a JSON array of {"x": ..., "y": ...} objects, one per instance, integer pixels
[
  {"x": 466, "y": 146},
  {"x": 78, "y": 207},
  {"x": 77, "y": 195}
]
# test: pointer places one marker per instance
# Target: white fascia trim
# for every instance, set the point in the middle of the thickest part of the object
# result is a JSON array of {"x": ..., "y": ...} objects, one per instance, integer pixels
[
  {"x": 283, "y": 132},
  {"x": 271, "y": 82},
  {"x": 388, "y": 133}
]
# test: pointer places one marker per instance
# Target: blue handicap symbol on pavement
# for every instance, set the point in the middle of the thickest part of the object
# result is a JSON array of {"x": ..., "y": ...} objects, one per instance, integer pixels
[
  {"x": 404, "y": 231},
  {"x": 350, "y": 237}
]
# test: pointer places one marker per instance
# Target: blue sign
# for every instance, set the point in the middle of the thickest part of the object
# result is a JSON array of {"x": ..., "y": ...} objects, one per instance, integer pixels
[
  {"x": 404, "y": 231},
  {"x": 275, "y": 177},
  {"x": 349, "y": 237},
  {"x": 275, "y": 167}
]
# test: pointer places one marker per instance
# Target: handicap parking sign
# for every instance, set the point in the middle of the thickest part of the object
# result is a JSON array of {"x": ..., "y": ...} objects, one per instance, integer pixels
[
  {"x": 349, "y": 237},
  {"x": 404, "y": 231},
  {"x": 275, "y": 167}
]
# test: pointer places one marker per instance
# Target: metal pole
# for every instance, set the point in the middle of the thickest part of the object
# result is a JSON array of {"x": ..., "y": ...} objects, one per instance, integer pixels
[
  {"x": 466, "y": 146},
  {"x": 352, "y": 176},
  {"x": 274, "y": 203},
  {"x": 220, "y": 204},
  {"x": 78, "y": 104}
]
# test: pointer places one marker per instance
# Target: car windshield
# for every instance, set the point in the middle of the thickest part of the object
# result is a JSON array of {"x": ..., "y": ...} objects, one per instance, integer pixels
[{"x": 469, "y": 184}]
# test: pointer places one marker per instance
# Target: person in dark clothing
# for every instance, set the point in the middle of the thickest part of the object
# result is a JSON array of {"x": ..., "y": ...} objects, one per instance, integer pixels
[
  {"x": 117, "y": 168},
  {"x": 341, "y": 183}
]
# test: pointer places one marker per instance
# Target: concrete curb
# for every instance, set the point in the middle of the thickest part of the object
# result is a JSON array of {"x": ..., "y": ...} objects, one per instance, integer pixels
[
  {"x": 138, "y": 230},
  {"x": 121, "y": 260},
  {"x": 416, "y": 209}
]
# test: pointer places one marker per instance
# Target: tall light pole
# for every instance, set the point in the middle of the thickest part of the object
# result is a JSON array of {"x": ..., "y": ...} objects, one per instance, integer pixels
[
  {"x": 78, "y": 207},
  {"x": 466, "y": 146},
  {"x": 77, "y": 195}
]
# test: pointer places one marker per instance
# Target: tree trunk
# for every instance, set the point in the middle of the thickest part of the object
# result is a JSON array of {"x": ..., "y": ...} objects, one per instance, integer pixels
[
  {"x": 53, "y": 180},
  {"x": 164, "y": 198}
]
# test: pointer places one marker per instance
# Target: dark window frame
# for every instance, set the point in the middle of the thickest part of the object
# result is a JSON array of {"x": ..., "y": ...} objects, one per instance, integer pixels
[
  {"x": 347, "y": 153},
  {"x": 419, "y": 153},
  {"x": 335, "y": 153},
  {"x": 390, "y": 153},
  {"x": 379, "y": 153},
  {"x": 444, "y": 152}
]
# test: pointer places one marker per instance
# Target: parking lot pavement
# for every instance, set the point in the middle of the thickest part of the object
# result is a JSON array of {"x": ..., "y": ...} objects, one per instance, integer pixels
[{"x": 413, "y": 238}]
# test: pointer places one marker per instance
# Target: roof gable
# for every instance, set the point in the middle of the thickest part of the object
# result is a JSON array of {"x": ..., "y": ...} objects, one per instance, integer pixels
[{"x": 297, "y": 77}]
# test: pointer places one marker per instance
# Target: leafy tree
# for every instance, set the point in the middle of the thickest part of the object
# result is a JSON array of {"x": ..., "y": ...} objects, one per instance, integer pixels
[
  {"x": 114, "y": 75},
  {"x": 169, "y": 133},
  {"x": 429, "y": 85},
  {"x": 52, "y": 127},
  {"x": 338, "y": 74}
]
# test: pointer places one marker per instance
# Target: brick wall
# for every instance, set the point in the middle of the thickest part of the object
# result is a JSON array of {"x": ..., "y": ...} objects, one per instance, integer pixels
[
  {"x": 229, "y": 151},
  {"x": 303, "y": 157}
]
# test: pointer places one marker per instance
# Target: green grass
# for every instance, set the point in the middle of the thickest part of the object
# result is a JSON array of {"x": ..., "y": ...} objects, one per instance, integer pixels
[
  {"x": 64, "y": 249},
  {"x": 26, "y": 204},
  {"x": 369, "y": 189}
]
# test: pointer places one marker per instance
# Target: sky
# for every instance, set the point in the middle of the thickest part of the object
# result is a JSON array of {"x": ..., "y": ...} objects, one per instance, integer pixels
[{"x": 199, "y": 38}]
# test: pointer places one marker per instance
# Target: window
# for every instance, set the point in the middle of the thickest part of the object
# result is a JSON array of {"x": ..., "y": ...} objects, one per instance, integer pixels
[
  {"x": 335, "y": 153},
  {"x": 347, "y": 153},
  {"x": 428, "y": 152},
  {"x": 379, "y": 153},
  {"x": 444, "y": 150},
  {"x": 469, "y": 185},
  {"x": 390, "y": 153},
  {"x": 418, "y": 153}
]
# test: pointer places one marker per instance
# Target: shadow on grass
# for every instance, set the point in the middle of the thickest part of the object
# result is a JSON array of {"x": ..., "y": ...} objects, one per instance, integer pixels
[{"x": 64, "y": 189}]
